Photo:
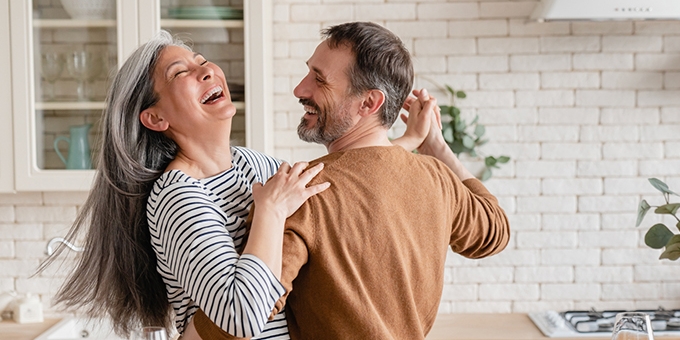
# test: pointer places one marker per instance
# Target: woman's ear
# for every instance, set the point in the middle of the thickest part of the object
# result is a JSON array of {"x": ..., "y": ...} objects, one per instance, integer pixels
[
  {"x": 152, "y": 120},
  {"x": 373, "y": 101}
]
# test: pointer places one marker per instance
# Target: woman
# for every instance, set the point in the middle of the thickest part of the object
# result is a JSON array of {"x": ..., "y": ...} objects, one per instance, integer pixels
[{"x": 167, "y": 211}]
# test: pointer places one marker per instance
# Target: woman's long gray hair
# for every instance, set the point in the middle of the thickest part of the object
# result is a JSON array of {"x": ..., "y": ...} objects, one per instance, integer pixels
[{"x": 116, "y": 275}]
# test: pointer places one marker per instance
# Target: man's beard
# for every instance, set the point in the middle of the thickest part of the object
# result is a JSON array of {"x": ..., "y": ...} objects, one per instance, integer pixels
[{"x": 325, "y": 132}]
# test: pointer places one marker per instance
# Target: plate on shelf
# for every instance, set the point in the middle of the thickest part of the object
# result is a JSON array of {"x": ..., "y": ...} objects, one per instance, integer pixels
[{"x": 205, "y": 12}]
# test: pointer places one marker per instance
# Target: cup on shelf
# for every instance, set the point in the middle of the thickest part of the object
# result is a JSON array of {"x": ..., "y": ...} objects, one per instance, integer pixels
[
  {"x": 89, "y": 9},
  {"x": 51, "y": 66},
  {"x": 84, "y": 67},
  {"x": 78, "y": 147}
]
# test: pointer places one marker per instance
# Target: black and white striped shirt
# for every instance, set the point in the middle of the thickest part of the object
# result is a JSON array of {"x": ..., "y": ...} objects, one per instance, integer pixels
[{"x": 197, "y": 229}]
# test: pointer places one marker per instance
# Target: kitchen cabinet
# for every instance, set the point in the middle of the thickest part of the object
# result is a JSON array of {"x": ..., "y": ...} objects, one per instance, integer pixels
[
  {"x": 61, "y": 67},
  {"x": 6, "y": 141}
]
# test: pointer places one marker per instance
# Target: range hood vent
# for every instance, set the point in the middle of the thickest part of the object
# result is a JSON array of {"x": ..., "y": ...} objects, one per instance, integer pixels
[{"x": 572, "y": 10}]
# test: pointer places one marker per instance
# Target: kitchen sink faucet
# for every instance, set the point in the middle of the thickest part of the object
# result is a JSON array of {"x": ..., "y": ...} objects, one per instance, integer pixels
[{"x": 50, "y": 249}]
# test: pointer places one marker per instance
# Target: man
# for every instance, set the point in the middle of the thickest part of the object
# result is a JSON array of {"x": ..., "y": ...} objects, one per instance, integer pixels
[{"x": 365, "y": 260}]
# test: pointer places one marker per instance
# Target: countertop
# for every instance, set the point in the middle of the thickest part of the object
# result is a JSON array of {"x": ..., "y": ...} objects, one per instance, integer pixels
[
  {"x": 28, "y": 331},
  {"x": 487, "y": 327},
  {"x": 447, "y": 327}
]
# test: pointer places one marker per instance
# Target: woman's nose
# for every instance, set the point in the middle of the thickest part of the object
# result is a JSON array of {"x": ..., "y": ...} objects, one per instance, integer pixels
[{"x": 206, "y": 73}]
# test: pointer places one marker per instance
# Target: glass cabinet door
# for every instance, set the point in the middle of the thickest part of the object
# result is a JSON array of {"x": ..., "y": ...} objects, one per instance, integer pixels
[
  {"x": 74, "y": 52},
  {"x": 63, "y": 56},
  {"x": 63, "y": 52}
]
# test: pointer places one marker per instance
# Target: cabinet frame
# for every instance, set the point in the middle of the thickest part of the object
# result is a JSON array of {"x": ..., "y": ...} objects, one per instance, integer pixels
[
  {"x": 6, "y": 135},
  {"x": 137, "y": 21}
]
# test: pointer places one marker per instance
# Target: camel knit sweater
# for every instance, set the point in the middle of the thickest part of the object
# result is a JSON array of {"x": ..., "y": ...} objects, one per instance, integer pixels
[{"x": 365, "y": 258}]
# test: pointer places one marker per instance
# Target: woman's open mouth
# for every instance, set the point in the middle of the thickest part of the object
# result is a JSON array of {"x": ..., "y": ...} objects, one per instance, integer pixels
[{"x": 212, "y": 95}]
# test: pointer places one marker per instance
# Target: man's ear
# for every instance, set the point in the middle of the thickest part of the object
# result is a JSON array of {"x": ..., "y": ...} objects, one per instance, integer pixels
[
  {"x": 373, "y": 101},
  {"x": 153, "y": 121}
]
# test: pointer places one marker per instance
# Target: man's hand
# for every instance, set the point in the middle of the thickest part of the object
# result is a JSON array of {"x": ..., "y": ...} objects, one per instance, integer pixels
[
  {"x": 422, "y": 118},
  {"x": 434, "y": 143}
]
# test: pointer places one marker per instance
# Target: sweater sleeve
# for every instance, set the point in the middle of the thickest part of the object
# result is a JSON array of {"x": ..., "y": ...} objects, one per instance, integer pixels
[
  {"x": 237, "y": 292},
  {"x": 480, "y": 227},
  {"x": 298, "y": 236}
]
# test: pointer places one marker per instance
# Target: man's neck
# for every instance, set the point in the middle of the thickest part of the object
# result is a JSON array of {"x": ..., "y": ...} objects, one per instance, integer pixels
[{"x": 361, "y": 136}]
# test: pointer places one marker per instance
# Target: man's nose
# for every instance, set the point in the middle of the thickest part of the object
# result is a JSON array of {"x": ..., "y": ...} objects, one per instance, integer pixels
[{"x": 302, "y": 89}]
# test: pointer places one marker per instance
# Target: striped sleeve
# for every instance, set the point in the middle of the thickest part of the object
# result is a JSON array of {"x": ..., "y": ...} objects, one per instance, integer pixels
[{"x": 237, "y": 292}]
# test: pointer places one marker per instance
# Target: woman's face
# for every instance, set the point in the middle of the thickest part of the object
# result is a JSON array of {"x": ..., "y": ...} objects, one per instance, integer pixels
[{"x": 193, "y": 93}]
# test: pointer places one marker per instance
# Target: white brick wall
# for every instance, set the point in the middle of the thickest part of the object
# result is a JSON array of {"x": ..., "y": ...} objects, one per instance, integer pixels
[{"x": 586, "y": 110}]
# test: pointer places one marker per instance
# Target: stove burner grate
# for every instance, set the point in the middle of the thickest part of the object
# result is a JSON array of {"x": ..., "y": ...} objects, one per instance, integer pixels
[{"x": 593, "y": 321}]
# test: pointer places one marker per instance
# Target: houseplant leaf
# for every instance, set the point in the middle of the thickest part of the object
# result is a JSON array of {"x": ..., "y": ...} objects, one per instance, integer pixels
[
  {"x": 661, "y": 186},
  {"x": 468, "y": 142},
  {"x": 503, "y": 159},
  {"x": 486, "y": 174},
  {"x": 672, "y": 252},
  {"x": 658, "y": 236},
  {"x": 480, "y": 130},
  {"x": 643, "y": 208},
  {"x": 490, "y": 161},
  {"x": 669, "y": 209},
  {"x": 446, "y": 110},
  {"x": 450, "y": 90}
]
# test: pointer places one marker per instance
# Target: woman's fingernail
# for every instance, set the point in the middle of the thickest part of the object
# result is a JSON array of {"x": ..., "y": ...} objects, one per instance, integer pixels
[{"x": 424, "y": 93}]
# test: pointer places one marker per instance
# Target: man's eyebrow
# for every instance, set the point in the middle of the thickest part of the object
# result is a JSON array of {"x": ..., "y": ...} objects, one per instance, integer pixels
[
  {"x": 167, "y": 69},
  {"x": 318, "y": 71}
]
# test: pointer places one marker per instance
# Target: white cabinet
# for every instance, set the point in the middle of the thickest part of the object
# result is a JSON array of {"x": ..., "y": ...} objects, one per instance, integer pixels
[
  {"x": 61, "y": 64},
  {"x": 6, "y": 142}
]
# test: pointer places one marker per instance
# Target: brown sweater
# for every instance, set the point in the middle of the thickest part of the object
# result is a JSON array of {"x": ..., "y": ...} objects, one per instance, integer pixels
[{"x": 365, "y": 258}]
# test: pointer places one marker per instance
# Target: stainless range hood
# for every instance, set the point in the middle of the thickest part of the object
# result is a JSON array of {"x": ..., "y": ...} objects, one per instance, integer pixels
[{"x": 551, "y": 10}]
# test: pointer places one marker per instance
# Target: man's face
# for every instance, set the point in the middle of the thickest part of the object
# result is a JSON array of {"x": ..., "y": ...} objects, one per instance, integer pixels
[{"x": 324, "y": 93}]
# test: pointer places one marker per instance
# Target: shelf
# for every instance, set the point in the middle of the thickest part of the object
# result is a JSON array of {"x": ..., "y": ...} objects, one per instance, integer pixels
[
  {"x": 201, "y": 23},
  {"x": 92, "y": 105},
  {"x": 70, "y": 105},
  {"x": 65, "y": 23}
]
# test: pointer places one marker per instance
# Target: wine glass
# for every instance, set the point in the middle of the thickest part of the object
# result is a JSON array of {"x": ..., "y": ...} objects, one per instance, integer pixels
[
  {"x": 632, "y": 326},
  {"x": 151, "y": 333},
  {"x": 84, "y": 67},
  {"x": 51, "y": 66}
]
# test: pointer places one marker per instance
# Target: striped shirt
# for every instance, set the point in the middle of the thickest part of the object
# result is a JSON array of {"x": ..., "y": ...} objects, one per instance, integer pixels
[{"x": 197, "y": 230}]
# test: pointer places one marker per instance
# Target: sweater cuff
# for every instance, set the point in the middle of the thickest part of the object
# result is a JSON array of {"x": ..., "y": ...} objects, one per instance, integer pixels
[{"x": 276, "y": 288}]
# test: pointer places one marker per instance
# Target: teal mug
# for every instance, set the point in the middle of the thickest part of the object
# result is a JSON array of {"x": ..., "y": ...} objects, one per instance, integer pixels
[{"x": 78, "y": 148}]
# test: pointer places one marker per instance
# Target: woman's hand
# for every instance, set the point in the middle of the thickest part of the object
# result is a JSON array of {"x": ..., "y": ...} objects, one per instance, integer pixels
[
  {"x": 285, "y": 192},
  {"x": 279, "y": 198}
]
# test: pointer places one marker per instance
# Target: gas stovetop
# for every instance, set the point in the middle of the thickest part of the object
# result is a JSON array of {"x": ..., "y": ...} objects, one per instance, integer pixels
[{"x": 595, "y": 323}]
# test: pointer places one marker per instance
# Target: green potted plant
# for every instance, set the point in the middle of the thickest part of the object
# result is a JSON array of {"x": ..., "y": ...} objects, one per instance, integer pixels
[
  {"x": 464, "y": 137},
  {"x": 659, "y": 235}
]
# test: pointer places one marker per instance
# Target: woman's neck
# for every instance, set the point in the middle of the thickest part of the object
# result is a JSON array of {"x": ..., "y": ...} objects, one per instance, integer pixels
[{"x": 202, "y": 160}]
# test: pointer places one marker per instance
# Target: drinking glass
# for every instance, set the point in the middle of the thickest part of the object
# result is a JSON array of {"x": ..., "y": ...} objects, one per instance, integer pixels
[
  {"x": 632, "y": 326},
  {"x": 151, "y": 333},
  {"x": 51, "y": 66},
  {"x": 84, "y": 67}
]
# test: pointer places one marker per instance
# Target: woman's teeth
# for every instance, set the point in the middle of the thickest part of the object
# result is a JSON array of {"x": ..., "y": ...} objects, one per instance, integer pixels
[{"x": 213, "y": 94}]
